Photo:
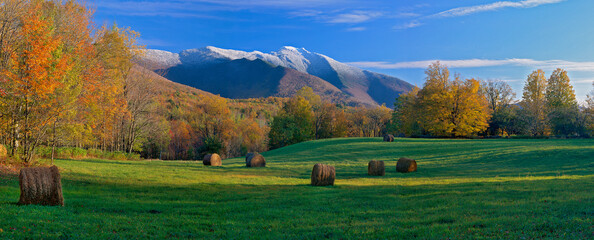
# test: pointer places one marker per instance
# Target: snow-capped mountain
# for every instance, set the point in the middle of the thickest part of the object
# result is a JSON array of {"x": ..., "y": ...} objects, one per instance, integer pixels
[
  {"x": 365, "y": 87},
  {"x": 158, "y": 59}
]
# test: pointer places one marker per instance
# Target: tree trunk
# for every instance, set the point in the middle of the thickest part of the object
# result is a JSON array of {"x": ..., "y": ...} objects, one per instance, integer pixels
[{"x": 54, "y": 142}]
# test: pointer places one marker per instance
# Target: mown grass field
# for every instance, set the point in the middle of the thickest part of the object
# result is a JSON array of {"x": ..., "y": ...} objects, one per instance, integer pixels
[{"x": 464, "y": 189}]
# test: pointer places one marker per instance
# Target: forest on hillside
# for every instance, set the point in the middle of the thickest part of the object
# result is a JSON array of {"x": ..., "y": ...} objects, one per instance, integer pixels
[{"x": 69, "y": 89}]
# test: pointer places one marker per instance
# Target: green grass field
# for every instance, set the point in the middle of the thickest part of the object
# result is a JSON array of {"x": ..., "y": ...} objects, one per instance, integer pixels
[{"x": 464, "y": 189}]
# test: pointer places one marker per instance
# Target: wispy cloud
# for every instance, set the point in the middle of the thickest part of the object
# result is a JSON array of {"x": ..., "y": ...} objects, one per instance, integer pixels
[
  {"x": 154, "y": 42},
  {"x": 412, "y": 24},
  {"x": 274, "y": 3},
  {"x": 205, "y": 8},
  {"x": 405, "y": 15},
  {"x": 166, "y": 9},
  {"x": 306, "y": 13},
  {"x": 475, "y": 63},
  {"x": 356, "y": 29},
  {"x": 583, "y": 80},
  {"x": 354, "y": 17},
  {"x": 462, "y": 11}
]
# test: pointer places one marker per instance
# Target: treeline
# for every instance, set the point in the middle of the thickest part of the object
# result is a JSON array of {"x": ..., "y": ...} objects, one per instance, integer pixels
[
  {"x": 79, "y": 90},
  {"x": 447, "y": 107},
  {"x": 63, "y": 81},
  {"x": 306, "y": 116},
  {"x": 67, "y": 84}
]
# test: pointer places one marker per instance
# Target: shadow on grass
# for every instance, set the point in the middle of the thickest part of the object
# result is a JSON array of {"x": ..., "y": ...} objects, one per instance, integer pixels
[
  {"x": 10, "y": 203},
  {"x": 119, "y": 162}
]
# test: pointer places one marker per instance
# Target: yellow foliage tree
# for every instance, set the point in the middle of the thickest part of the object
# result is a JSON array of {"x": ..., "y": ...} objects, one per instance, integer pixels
[
  {"x": 534, "y": 102},
  {"x": 561, "y": 105},
  {"x": 469, "y": 109},
  {"x": 406, "y": 113},
  {"x": 448, "y": 108}
]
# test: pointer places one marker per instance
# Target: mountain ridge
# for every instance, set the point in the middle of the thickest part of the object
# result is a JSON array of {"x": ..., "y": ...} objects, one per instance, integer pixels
[{"x": 191, "y": 67}]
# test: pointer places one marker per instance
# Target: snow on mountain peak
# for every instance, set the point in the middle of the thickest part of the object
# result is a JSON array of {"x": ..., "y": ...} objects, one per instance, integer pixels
[
  {"x": 299, "y": 59},
  {"x": 289, "y": 48},
  {"x": 160, "y": 59}
]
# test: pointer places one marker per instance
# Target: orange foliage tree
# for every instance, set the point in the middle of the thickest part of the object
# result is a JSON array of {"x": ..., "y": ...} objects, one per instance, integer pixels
[{"x": 38, "y": 78}]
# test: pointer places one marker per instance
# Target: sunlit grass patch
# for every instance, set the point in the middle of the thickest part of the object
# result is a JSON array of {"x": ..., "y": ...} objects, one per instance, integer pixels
[{"x": 463, "y": 189}]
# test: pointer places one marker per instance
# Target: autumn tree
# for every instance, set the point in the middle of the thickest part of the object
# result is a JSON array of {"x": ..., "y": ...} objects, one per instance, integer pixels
[
  {"x": 40, "y": 78},
  {"x": 293, "y": 124},
  {"x": 589, "y": 112},
  {"x": 115, "y": 50},
  {"x": 213, "y": 125},
  {"x": 561, "y": 105},
  {"x": 252, "y": 135},
  {"x": 405, "y": 118},
  {"x": 500, "y": 96},
  {"x": 180, "y": 146},
  {"x": 435, "y": 102},
  {"x": 11, "y": 12},
  {"x": 534, "y": 103},
  {"x": 368, "y": 122},
  {"x": 329, "y": 120},
  {"x": 470, "y": 112},
  {"x": 139, "y": 92},
  {"x": 451, "y": 108}
]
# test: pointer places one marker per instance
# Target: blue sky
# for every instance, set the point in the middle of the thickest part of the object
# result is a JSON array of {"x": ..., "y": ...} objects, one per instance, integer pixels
[{"x": 480, "y": 38}]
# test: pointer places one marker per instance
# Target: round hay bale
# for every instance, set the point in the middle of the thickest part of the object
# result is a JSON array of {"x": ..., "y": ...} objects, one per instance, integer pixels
[
  {"x": 323, "y": 175},
  {"x": 212, "y": 160},
  {"x": 41, "y": 186},
  {"x": 388, "y": 138},
  {"x": 405, "y": 165},
  {"x": 255, "y": 160},
  {"x": 376, "y": 168}
]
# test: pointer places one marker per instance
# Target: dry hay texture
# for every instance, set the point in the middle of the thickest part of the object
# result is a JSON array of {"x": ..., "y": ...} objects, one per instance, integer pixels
[
  {"x": 41, "y": 186},
  {"x": 388, "y": 138},
  {"x": 212, "y": 160},
  {"x": 376, "y": 168},
  {"x": 255, "y": 160},
  {"x": 405, "y": 165},
  {"x": 323, "y": 175}
]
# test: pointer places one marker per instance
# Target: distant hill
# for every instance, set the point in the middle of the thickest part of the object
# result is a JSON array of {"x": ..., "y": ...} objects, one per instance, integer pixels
[
  {"x": 239, "y": 74},
  {"x": 167, "y": 95}
]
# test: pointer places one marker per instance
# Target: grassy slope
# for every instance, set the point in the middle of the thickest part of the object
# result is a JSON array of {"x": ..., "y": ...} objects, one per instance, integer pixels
[{"x": 463, "y": 189}]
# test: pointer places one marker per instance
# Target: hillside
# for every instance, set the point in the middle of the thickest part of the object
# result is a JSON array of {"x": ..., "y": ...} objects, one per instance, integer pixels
[
  {"x": 239, "y": 74},
  {"x": 234, "y": 79},
  {"x": 464, "y": 189},
  {"x": 169, "y": 95}
]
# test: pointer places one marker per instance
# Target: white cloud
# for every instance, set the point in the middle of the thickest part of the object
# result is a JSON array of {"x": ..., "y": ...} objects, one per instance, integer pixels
[
  {"x": 154, "y": 42},
  {"x": 581, "y": 80},
  {"x": 272, "y": 3},
  {"x": 306, "y": 13},
  {"x": 356, "y": 29},
  {"x": 192, "y": 8},
  {"x": 462, "y": 11},
  {"x": 354, "y": 17},
  {"x": 412, "y": 24},
  {"x": 474, "y": 63},
  {"x": 405, "y": 15}
]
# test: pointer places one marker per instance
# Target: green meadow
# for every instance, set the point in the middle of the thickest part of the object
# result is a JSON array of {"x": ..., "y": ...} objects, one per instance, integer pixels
[{"x": 463, "y": 189}]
